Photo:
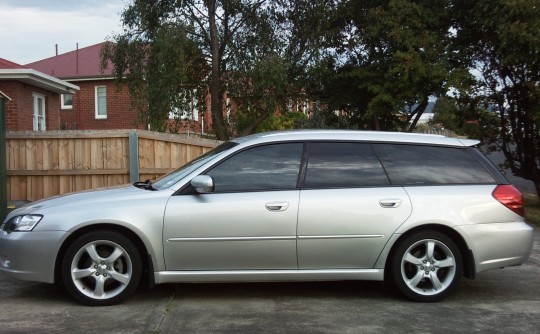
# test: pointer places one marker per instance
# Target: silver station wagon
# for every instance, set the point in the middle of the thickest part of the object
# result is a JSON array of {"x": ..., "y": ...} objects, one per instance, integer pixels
[{"x": 419, "y": 211}]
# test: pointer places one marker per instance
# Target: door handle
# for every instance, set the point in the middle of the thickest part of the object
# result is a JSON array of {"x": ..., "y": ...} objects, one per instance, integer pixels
[
  {"x": 390, "y": 202},
  {"x": 277, "y": 206}
]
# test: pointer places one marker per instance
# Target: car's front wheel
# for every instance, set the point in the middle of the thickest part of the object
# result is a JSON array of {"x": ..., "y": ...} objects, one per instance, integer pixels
[
  {"x": 426, "y": 266},
  {"x": 101, "y": 268}
]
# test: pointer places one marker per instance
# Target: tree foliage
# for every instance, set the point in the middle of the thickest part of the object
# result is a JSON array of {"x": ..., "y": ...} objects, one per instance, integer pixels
[
  {"x": 503, "y": 44},
  {"x": 255, "y": 51},
  {"x": 377, "y": 62},
  {"x": 393, "y": 55}
]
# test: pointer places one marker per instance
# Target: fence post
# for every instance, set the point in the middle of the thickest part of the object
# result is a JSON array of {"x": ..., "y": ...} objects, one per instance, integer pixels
[
  {"x": 3, "y": 159},
  {"x": 133, "y": 156}
]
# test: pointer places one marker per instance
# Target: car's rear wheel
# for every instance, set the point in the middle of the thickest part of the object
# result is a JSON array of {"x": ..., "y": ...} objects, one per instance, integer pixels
[
  {"x": 426, "y": 266},
  {"x": 101, "y": 268}
]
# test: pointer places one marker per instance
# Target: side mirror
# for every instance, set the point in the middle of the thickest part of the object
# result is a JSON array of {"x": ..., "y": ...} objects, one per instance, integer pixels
[{"x": 203, "y": 184}]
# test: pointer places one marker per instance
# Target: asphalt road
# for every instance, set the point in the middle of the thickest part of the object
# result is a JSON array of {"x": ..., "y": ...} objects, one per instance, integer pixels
[{"x": 498, "y": 301}]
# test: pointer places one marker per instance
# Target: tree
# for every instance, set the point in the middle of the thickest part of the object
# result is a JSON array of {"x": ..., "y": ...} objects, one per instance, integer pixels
[
  {"x": 398, "y": 54},
  {"x": 256, "y": 51},
  {"x": 503, "y": 43},
  {"x": 169, "y": 61},
  {"x": 221, "y": 33}
]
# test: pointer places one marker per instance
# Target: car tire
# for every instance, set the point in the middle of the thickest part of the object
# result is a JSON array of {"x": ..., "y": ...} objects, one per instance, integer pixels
[
  {"x": 426, "y": 266},
  {"x": 101, "y": 268}
]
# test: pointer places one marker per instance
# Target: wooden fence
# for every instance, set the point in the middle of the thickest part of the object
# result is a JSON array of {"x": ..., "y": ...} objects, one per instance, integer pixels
[{"x": 45, "y": 164}]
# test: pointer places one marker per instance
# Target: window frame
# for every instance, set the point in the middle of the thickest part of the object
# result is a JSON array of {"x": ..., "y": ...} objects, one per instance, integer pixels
[
  {"x": 63, "y": 104},
  {"x": 397, "y": 180},
  {"x": 96, "y": 102},
  {"x": 193, "y": 101},
  {"x": 367, "y": 145},
  {"x": 37, "y": 119},
  {"x": 299, "y": 176}
]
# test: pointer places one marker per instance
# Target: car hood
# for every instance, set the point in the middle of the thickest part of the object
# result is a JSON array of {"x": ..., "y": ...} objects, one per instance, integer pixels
[{"x": 89, "y": 198}]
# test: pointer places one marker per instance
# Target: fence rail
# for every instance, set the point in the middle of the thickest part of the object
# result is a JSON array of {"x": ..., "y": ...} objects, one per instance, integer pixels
[{"x": 45, "y": 164}]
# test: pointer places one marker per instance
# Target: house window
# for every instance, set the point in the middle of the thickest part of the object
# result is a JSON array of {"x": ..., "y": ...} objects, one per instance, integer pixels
[
  {"x": 101, "y": 102},
  {"x": 39, "y": 112},
  {"x": 188, "y": 109},
  {"x": 66, "y": 101},
  {"x": 228, "y": 107}
]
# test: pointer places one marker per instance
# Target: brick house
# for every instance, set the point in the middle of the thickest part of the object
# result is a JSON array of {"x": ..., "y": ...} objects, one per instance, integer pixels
[
  {"x": 101, "y": 103},
  {"x": 34, "y": 103}
]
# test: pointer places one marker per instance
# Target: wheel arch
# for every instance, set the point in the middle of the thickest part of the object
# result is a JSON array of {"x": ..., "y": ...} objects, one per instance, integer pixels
[
  {"x": 466, "y": 253},
  {"x": 143, "y": 252}
]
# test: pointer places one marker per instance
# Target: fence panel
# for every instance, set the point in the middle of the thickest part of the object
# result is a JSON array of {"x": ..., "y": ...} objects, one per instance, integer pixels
[{"x": 41, "y": 165}]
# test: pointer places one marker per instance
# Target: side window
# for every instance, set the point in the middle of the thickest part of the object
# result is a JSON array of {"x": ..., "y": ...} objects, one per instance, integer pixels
[
  {"x": 418, "y": 165},
  {"x": 270, "y": 167},
  {"x": 343, "y": 165}
]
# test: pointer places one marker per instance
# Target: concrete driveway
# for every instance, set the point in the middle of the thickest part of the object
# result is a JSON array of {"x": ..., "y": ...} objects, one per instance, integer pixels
[{"x": 499, "y": 301}]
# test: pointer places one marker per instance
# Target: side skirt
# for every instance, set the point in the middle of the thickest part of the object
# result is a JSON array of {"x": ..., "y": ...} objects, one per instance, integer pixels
[{"x": 268, "y": 275}]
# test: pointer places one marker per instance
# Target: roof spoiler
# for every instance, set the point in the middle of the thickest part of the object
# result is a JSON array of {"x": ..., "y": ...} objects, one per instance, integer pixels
[{"x": 469, "y": 142}]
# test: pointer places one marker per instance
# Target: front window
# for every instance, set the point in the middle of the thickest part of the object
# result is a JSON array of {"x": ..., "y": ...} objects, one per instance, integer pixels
[
  {"x": 183, "y": 171},
  {"x": 39, "y": 113},
  {"x": 66, "y": 101},
  {"x": 101, "y": 102},
  {"x": 262, "y": 168}
]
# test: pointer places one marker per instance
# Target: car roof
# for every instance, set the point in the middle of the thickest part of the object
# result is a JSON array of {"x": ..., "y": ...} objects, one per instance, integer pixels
[{"x": 354, "y": 135}]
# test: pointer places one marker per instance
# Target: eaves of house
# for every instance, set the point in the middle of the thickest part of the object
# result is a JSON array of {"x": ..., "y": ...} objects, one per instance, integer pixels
[{"x": 14, "y": 71}]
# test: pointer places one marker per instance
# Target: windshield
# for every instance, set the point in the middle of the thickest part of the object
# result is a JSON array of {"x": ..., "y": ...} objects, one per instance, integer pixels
[{"x": 180, "y": 173}]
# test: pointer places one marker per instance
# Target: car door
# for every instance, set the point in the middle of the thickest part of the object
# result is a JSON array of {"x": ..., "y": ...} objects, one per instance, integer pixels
[
  {"x": 247, "y": 222},
  {"x": 348, "y": 210}
]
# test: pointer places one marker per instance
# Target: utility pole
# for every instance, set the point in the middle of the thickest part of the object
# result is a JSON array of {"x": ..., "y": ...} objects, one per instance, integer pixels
[{"x": 3, "y": 161}]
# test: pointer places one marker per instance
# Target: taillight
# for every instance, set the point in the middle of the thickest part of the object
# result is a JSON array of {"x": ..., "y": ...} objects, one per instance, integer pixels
[{"x": 510, "y": 197}]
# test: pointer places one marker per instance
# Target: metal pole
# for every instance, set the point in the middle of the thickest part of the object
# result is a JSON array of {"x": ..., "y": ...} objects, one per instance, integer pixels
[{"x": 3, "y": 161}]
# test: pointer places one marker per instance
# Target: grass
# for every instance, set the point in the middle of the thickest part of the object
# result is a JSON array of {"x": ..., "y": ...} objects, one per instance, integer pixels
[{"x": 532, "y": 209}]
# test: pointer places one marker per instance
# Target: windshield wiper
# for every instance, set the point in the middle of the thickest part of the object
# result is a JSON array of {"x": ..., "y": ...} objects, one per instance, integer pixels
[{"x": 147, "y": 185}]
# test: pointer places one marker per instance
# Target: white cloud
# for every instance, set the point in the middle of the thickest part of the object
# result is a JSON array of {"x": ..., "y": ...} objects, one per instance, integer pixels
[{"x": 30, "y": 33}]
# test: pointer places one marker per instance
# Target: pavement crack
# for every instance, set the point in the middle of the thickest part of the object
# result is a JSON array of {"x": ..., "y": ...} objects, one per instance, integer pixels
[{"x": 165, "y": 313}]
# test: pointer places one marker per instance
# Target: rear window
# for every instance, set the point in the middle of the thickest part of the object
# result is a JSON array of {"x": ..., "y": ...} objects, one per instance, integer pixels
[{"x": 419, "y": 165}]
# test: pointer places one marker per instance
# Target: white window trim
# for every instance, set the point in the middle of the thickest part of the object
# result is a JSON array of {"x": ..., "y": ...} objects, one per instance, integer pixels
[
  {"x": 63, "y": 105},
  {"x": 35, "y": 117},
  {"x": 228, "y": 108},
  {"x": 98, "y": 116},
  {"x": 193, "y": 105}
]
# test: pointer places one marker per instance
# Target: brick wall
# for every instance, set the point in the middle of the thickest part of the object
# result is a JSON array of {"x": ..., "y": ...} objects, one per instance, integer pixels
[
  {"x": 20, "y": 110},
  {"x": 120, "y": 114}
]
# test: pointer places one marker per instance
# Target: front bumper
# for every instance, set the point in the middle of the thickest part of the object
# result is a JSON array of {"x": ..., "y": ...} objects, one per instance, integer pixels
[
  {"x": 498, "y": 245},
  {"x": 30, "y": 256}
]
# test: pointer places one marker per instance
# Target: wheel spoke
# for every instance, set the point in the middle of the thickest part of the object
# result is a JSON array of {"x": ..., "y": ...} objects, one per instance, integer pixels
[
  {"x": 122, "y": 278},
  {"x": 99, "y": 290},
  {"x": 413, "y": 282},
  {"x": 448, "y": 262},
  {"x": 412, "y": 259},
  {"x": 430, "y": 249},
  {"x": 437, "y": 285},
  {"x": 114, "y": 256},
  {"x": 92, "y": 252},
  {"x": 81, "y": 273}
]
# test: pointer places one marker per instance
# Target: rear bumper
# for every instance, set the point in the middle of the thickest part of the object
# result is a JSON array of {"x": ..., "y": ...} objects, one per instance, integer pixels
[
  {"x": 30, "y": 256},
  {"x": 498, "y": 245}
]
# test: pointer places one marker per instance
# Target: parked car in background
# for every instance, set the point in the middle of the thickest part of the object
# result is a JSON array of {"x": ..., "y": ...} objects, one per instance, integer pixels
[{"x": 419, "y": 211}]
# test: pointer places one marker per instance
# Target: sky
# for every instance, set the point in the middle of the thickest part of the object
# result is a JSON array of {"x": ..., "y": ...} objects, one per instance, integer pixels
[{"x": 29, "y": 29}]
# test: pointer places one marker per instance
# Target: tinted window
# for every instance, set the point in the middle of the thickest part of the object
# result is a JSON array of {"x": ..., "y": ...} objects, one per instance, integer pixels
[
  {"x": 343, "y": 165},
  {"x": 271, "y": 167},
  {"x": 411, "y": 164}
]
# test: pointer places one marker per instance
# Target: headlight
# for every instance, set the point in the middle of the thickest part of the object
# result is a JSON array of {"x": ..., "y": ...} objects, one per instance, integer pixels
[{"x": 22, "y": 223}]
